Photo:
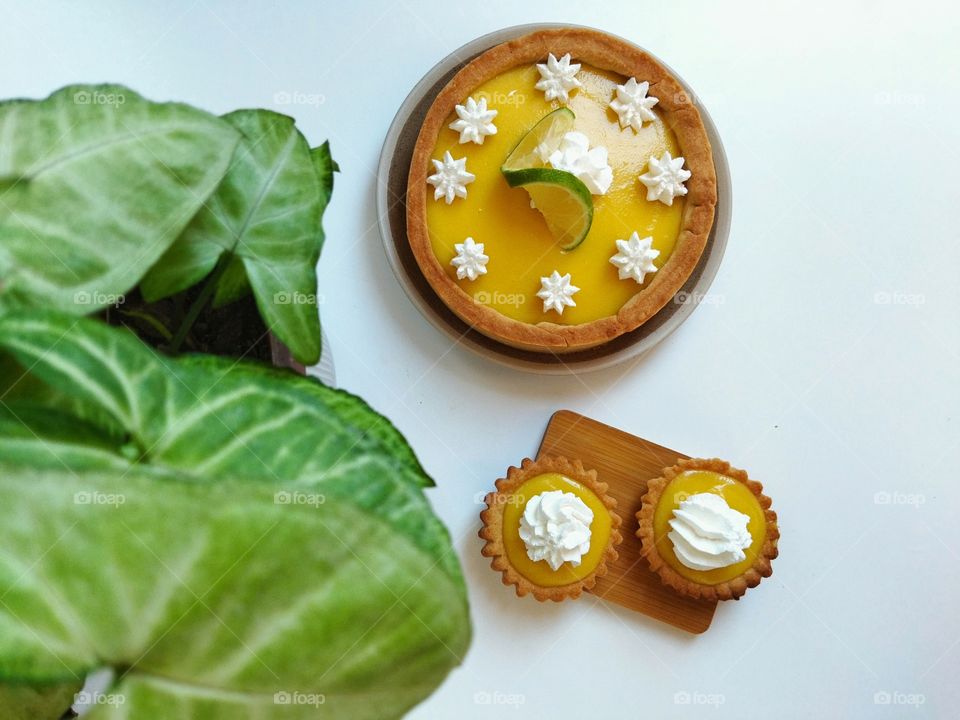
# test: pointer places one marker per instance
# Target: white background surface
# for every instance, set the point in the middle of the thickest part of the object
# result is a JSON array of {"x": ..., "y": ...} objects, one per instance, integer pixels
[{"x": 827, "y": 365}]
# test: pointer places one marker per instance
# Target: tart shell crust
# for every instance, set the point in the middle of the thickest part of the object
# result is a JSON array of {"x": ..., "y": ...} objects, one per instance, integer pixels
[
  {"x": 492, "y": 530},
  {"x": 731, "y": 589},
  {"x": 679, "y": 112}
]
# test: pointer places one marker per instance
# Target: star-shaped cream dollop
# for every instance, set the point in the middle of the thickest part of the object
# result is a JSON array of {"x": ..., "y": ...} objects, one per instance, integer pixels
[
  {"x": 558, "y": 78},
  {"x": 632, "y": 105},
  {"x": 664, "y": 178},
  {"x": 635, "y": 257},
  {"x": 451, "y": 178},
  {"x": 557, "y": 292},
  {"x": 474, "y": 121},
  {"x": 470, "y": 261}
]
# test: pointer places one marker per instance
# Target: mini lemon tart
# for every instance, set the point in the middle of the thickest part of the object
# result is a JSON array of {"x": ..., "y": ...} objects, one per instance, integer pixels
[
  {"x": 707, "y": 529},
  {"x": 561, "y": 190},
  {"x": 550, "y": 528}
]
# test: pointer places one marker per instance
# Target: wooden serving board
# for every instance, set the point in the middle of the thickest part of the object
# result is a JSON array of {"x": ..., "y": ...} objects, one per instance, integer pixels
[{"x": 626, "y": 462}]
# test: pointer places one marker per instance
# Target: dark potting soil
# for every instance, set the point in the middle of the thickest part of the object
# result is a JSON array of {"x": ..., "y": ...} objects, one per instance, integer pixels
[{"x": 234, "y": 330}]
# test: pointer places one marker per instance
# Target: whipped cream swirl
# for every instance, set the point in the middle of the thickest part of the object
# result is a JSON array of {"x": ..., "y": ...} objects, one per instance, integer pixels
[
  {"x": 555, "y": 527},
  {"x": 557, "y": 292},
  {"x": 470, "y": 260},
  {"x": 558, "y": 78},
  {"x": 634, "y": 258},
  {"x": 474, "y": 121},
  {"x": 707, "y": 533},
  {"x": 665, "y": 178},
  {"x": 632, "y": 104},
  {"x": 451, "y": 178},
  {"x": 589, "y": 164}
]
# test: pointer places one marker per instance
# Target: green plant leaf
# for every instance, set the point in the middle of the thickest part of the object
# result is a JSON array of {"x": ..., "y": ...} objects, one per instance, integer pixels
[
  {"x": 24, "y": 702},
  {"x": 233, "y": 284},
  {"x": 21, "y": 389},
  {"x": 351, "y": 409},
  {"x": 267, "y": 213},
  {"x": 212, "y": 417},
  {"x": 213, "y": 600},
  {"x": 47, "y": 437},
  {"x": 97, "y": 184},
  {"x": 325, "y": 166},
  {"x": 221, "y": 467}
]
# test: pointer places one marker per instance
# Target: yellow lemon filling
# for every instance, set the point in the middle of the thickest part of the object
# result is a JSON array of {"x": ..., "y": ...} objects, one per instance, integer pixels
[
  {"x": 737, "y": 495},
  {"x": 540, "y": 572},
  {"x": 515, "y": 235}
]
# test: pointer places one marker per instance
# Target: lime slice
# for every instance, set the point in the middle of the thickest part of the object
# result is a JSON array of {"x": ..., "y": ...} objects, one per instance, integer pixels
[
  {"x": 562, "y": 199},
  {"x": 543, "y": 138}
]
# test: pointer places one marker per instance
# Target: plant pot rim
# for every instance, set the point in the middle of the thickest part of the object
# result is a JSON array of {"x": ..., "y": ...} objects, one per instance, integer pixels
[{"x": 281, "y": 357}]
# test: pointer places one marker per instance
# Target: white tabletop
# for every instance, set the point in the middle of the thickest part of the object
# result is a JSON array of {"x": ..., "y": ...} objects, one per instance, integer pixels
[{"x": 827, "y": 364}]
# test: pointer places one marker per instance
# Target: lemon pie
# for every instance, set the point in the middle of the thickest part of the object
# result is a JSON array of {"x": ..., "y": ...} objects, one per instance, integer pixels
[
  {"x": 550, "y": 528},
  {"x": 707, "y": 529},
  {"x": 561, "y": 190}
]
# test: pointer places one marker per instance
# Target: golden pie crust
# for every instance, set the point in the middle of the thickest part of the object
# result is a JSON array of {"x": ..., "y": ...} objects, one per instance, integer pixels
[
  {"x": 492, "y": 530},
  {"x": 731, "y": 589},
  {"x": 608, "y": 53}
]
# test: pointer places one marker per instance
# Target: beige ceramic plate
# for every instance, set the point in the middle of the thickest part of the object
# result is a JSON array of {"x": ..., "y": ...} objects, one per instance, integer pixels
[{"x": 391, "y": 210}]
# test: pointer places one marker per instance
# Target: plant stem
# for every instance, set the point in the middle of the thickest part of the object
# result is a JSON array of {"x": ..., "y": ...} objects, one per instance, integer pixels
[{"x": 198, "y": 305}]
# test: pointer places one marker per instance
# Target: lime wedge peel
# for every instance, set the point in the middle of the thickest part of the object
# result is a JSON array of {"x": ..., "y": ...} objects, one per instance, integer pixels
[
  {"x": 561, "y": 197},
  {"x": 563, "y": 200}
]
